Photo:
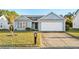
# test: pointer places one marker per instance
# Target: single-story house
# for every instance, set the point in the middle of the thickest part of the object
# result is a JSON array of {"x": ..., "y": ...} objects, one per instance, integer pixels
[
  {"x": 4, "y": 22},
  {"x": 76, "y": 20},
  {"x": 49, "y": 22}
]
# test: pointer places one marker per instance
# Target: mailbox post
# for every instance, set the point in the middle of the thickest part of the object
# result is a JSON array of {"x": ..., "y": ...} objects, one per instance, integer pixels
[{"x": 35, "y": 38}]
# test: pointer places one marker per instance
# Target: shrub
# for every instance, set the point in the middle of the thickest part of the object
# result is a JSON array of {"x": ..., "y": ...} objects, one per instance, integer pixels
[
  {"x": 4, "y": 30},
  {"x": 69, "y": 22},
  {"x": 28, "y": 29}
]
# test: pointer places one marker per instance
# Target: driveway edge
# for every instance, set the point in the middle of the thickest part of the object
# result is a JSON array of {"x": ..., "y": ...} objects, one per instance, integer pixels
[{"x": 72, "y": 35}]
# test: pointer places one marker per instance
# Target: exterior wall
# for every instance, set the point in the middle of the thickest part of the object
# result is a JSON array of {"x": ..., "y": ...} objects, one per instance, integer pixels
[
  {"x": 39, "y": 26},
  {"x": 76, "y": 21},
  {"x": 64, "y": 25},
  {"x": 4, "y": 23},
  {"x": 29, "y": 24}
]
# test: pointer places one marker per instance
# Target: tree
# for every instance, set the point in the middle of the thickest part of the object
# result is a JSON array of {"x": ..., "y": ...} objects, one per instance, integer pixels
[
  {"x": 10, "y": 15},
  {"x": 69, "y": 18}
]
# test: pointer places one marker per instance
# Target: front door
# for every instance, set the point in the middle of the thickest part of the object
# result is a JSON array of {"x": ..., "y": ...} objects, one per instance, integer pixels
[{"x": 35, "y": 25}]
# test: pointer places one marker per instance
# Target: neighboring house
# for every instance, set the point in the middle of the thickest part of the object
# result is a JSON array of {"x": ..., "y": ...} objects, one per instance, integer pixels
[
  {"x": 76, "y": 20},
  {"x": 50, "y": 22},
  {"x": 3, "y": 22}
]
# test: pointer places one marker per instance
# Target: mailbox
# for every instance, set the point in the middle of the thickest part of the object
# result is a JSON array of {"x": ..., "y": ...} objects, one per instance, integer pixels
[{"x": 35, "y": 38}]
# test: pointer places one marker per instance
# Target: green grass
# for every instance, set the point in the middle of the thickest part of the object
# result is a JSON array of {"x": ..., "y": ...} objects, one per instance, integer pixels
[
  {"x": 19, "y": 39},
  {"x": 74, "y": 32}
]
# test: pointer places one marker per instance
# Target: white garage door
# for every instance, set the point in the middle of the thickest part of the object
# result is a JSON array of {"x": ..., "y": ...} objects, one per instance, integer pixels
[{"x": 51, "y": 26}]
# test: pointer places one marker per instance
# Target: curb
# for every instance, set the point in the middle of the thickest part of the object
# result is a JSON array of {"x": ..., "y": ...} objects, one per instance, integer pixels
[{"x": 59, "y": 48}]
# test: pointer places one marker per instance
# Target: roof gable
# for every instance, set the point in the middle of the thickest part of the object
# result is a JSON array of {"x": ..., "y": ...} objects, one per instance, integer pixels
[
  {"x": 51, "y": 16},
  {"x": 22, "y": 17},
  {"x": 3, "y": 18},
  {"x": 77, "y": 12}
]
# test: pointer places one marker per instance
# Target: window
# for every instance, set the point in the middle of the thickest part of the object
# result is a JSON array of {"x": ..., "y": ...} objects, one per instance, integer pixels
[
  {"x": 24, "y": 24},
  {"x": 1, "y": 25},
  {"x": 20, "y": 24}
]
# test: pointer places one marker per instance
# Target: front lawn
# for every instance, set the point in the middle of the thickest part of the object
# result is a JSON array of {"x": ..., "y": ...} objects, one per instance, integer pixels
[
  {"x": 19, "y": 39},
  {"x": 74, "y": 32}
]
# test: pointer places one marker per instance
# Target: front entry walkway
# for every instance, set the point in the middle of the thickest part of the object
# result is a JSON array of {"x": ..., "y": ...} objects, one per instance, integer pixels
[{"x": 59, "y": 40}]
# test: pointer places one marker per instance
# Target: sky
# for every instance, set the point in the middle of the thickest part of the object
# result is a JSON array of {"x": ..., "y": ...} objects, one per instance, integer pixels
[{"x": 43, "y": 11}]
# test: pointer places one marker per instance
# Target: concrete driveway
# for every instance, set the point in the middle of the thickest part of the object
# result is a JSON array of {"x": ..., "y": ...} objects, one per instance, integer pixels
[{"x": 59, "y": 40}]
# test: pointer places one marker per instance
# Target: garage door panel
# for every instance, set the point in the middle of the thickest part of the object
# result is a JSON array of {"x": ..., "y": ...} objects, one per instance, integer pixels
[{"x": 51, "y": 26}]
